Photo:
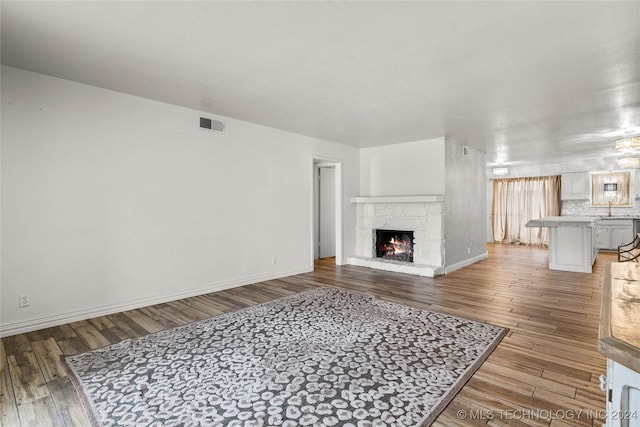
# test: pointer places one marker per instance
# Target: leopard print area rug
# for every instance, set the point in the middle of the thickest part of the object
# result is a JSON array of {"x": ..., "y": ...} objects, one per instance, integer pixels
[{"x": 323, "y": 357}]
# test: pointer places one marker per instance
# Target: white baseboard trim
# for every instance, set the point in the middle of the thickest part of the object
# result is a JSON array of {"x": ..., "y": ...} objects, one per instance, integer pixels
[
  {"x": 20, "y": 327},
  {"x": 458, "y": 265}
]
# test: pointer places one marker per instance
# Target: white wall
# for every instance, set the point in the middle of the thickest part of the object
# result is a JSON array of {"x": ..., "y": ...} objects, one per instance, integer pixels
[
  {"x": 407, "y": 169},
  {"x": 111, "y": 201},
  {"x": 557, "y": 168}
]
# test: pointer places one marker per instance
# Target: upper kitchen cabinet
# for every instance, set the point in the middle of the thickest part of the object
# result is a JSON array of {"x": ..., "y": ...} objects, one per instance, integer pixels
[{"x": 575, "y": 186}]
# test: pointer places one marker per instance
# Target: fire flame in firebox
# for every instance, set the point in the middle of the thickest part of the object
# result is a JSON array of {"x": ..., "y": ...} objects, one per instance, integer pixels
[{"x": 396, "y": 246}]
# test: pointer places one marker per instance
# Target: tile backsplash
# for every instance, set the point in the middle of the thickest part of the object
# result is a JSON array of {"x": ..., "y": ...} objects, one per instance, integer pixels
[{"x": 584, "y": 208}]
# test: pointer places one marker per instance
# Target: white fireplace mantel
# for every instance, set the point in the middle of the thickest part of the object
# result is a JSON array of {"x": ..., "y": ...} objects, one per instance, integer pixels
[{"x": 399, "y": 199}]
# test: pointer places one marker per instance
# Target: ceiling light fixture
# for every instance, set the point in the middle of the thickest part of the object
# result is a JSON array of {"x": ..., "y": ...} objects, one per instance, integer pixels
[
  {"x": 629, "y": 162},
  {"x": 628, "y": 144}
]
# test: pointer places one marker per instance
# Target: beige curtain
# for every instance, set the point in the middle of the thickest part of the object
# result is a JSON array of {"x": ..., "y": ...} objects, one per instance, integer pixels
[
  {"x": 620, "y": 197},
  {"x": 518, "y": 200}
]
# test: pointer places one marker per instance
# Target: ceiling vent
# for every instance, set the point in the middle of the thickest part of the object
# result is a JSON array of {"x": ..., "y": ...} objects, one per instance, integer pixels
[{"x": 207, "y": 123}]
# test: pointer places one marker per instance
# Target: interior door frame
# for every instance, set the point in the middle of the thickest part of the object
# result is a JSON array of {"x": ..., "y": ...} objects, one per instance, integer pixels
[{"x": 337, "y": 164}]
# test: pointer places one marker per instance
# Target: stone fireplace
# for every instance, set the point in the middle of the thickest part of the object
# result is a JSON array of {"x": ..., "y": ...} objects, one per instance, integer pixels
[{"x": 414, "y": 241}]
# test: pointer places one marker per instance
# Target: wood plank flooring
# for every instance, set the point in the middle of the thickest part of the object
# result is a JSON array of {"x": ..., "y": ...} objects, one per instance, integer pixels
[{"x": 544, "y": 373}]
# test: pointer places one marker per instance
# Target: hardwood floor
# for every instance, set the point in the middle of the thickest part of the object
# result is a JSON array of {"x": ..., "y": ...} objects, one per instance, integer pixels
[{"x": 545, "y": 372}]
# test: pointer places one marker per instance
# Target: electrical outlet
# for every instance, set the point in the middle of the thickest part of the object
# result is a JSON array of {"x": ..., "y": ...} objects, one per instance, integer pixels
[
  {"x": 469, "y": 250},
  {"x": 24, "y": 300},
  {"x": 274, "y": 260}
]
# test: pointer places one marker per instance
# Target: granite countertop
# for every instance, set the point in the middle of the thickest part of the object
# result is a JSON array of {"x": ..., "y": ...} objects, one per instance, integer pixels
[
  {"x": 620, "y": 315},
  {"x": 564, "y": 221},
  {"x": 620, "y": 217}
]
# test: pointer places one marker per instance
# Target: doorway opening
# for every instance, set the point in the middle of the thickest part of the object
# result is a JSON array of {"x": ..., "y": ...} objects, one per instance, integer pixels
[{"x": 326, "y": 210}]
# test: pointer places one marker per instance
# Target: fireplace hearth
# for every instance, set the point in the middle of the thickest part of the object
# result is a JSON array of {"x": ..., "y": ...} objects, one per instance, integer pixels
[{"x": 394, "y": 245}]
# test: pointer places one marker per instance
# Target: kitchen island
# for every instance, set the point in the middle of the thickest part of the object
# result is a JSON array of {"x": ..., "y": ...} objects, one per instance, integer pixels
[{"x": 572, "y": 242}]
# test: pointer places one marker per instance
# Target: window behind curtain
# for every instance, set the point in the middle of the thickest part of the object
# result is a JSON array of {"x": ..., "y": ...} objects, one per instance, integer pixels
[
  {"x": 518, "y": 200},
  {"x": 620, "y": 197}
]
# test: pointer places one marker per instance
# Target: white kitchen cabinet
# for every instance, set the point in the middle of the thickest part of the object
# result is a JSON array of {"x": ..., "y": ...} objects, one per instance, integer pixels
[
  {"x": 571, "y": 242},
  {"x": 575, "y": 186},
  {"x": 621, "y": 235},
  {"x": 612, "y": 233},
  {"x": 623, "y": 396}
]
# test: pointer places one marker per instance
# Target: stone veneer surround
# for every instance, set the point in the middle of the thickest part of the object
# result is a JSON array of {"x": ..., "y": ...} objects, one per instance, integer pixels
[{"x": 420, "y": 214}]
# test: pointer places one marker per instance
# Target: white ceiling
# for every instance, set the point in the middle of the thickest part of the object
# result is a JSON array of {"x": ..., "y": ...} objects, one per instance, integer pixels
[{"x": 524, "y": 81}]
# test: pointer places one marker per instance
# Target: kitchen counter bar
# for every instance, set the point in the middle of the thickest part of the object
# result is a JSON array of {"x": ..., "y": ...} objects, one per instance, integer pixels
[
  {"x": 619, "y": 341},
  {"x": 620, "y": 315},
  {"x": 564, "y": 221}
]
